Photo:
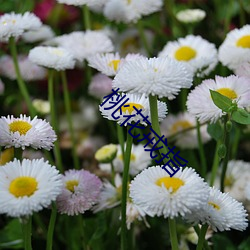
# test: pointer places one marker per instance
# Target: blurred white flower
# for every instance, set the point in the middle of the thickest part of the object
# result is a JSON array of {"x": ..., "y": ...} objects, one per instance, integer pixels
[{"x": 191, "y": 15}]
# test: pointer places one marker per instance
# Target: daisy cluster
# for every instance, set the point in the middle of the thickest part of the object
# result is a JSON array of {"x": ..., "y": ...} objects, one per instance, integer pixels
[{"x": 121, "y": 103}]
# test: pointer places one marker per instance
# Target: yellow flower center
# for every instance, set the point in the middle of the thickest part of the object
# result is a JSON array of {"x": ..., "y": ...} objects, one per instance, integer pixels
[
  {"x": 70, "y": 185},
  {"x": 185, "y": 53},
  {"x": 214, "y": 205},
  {"x": 23, "y": 186},
  {"x": 229, "y": 181},
  {"x": 227, "y": 92},
  {"x": 20, "y": 126},
  {"x": 244, "y": 42},
  {"x": 6, "y": 156},
  {"x": 114, "y": 64},
  {"x": 170, "y": 182},
  {"x": 180, "y": 125},
  {"x": 129, "y": 1},
  {"x": 129, "y": 107},
  {"x": 132, "y": 157},
  {"x": 57, "y": 52}
]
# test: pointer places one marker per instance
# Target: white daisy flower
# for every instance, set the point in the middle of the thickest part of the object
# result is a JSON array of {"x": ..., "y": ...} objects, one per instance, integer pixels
[
  {"x": 14, "y": 25},
  {"x": 221, "y": 212},
  {"x": 26, "y": 132},
  {"x": 89, "y": 3},
  {"x": 174, "y": 124},
  {"x": 130, "y": 11},
  {"x": 41, "y": 106},
  {"x": 236, "y": 179},
  {"x": 200, "y": 103},
  {"x": 28, "y": 186},
  {"x": 197, "y": 53},
  {"x": 85, "y": 44},
  {"x": 139, "y": 160},
  {"x": 157, "y": 194},
  {"x": 156, "y": 76},
  {"x": 134, "y": 100},
  {"x": 51, "y": 57},
  {"x": 110, "y": 195},
  {"x": 191, "y": 15},
  {"x": 29, "y": 70},
  {"x": 110, "y": 63},
  {"x": 42, "y": 34},
  {"x": 235, "y": 49}
]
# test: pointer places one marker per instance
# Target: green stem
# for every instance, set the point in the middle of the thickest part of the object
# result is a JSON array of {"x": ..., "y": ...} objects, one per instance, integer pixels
[
  {"x": 205, "y": 244},
  {"x": 215, "y": 164},
  {"x": 20, "y": 81},
  {"x": 226, "y": 158},
  {"x": 86, "y": 17},
  {"x": 82, "y": 227},
  {"x": 173, "y": 235},
  {"x": 143, "y": 37},
  {"x": 50, "y": 233},
  {"x": 120, "y": 136},
  {"x": 236, "y": 142},
  {"x": 66, "y": 96},
  {"x": 27, "y": 229},
  {"x": 242, "y": 14},
  {"x": 202, "y": 237},
  {"x": 124, "y": 231},
  {"x": 53, "y": 119},
  {"x": 18, "y": 153},
  {"x": 201, "y": 152}
]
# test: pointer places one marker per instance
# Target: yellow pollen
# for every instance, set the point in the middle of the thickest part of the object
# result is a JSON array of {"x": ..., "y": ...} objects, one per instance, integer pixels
[
  {"x": 132, "y": 157},
  {"x": 244, "y": 42},
  {"x": 180, "y": 125},
  {"x": 114, "y": 64},
  {"x": 185, "y": 53},
  {"x": 129, "y": 107},
  {"x": 70, "y": 185},
  {"x": 214, "y": 205},
  {"x": 20, "y": 126},
  {"x": 227, "y": 92},
  {"x": 170, "y": 182},
  {"x": 6, "y": 156},
  {"x": 23, "y": 186}
]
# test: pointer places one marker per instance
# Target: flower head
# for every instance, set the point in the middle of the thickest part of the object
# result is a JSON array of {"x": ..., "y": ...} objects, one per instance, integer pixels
[
  {"x": 235, "y": 49},
  {"x": 156, "y": 193},
  {"x": 29, "y": 70},
  {"x": 106, "y": 154},
  {"x": 140, "y": 102},
  {"x": 51, "y": 57},
  {"x": 100, "y": 85},
  {"x": 221, "y": 212},
  {"x": 42, "y": 34},
  {"x": 191, "y": 15},
  {"x": 174, "y": 124},
  {"x": 85, "y": 44},
  {"x": 90, "y": 3},
  {"x": 156, "y": 76},
  {"x": 80, "y": 192},
  {"x": 200, "y": 103},
  {"x": 195, "y": 52},
  {"x": 26, "y": 132},
  {"x": 130, "y": 11},
  {"x": 14, "y": 25},
  {"x": 28, "y": 186}
]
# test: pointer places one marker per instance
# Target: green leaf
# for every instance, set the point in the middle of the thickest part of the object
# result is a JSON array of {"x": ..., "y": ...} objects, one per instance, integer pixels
[
  {"x": 222, "y": 242},
  {"x": 11, "y": 236},
  {"x": 241, "y": 116},
  {"x": 215, "y": 131},
  {"x": 221, "y": 101},
  {"x": 245, "y": 244}
]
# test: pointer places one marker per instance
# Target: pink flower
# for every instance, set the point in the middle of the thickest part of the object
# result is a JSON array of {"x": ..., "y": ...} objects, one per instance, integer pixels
[{"x": 80, "y": 192}]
